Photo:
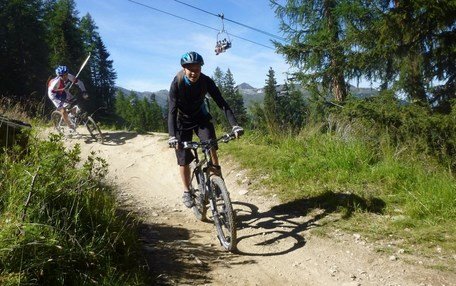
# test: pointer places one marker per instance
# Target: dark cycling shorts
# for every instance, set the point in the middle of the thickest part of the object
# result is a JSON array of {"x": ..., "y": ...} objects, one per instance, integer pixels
[{"x": 204, "y": 131}]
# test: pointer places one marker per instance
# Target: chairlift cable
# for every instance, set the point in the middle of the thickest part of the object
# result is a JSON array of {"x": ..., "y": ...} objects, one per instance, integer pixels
[
  {"x": 182, "y": 18},
  {"x": 203, "y": 25},
  {"x": 232, "y": 21}
]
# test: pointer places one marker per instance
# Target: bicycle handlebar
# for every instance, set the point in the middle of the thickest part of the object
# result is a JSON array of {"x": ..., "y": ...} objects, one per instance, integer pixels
[{"x": 207, "y": 144}]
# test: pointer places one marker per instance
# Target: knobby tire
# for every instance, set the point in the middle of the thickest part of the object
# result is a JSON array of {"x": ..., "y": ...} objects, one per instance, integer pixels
[
  {"x": 223, "y": 216},
  {"x": 94, "y": 130}
]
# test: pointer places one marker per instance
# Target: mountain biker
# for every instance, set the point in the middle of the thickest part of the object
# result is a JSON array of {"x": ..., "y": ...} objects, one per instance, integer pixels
[
  {"x": 58, "y": 91},
  {"x": 188, "y": 113}
]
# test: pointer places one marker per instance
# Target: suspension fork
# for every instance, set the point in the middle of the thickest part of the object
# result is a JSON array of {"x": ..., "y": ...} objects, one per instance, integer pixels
[
  {"x": 199, "y": 169},
  {"x": 207, "y": 162}
]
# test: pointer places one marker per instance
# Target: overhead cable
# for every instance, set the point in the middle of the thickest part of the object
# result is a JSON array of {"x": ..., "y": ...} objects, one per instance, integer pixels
[
  {"x": 194, "y": 22},
  {"x": 150, "y": 7},
  {"x": 232, "y": 21}
]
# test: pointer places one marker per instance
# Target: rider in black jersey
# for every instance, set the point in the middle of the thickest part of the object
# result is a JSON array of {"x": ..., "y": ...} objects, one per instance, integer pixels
[{"x": 188, "y": 113}]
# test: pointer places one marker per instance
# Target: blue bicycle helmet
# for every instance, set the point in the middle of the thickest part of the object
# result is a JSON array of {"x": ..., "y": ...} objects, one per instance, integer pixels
[
  {"x": 61, "y": 70},
  {"x": 191, "y": 58}
]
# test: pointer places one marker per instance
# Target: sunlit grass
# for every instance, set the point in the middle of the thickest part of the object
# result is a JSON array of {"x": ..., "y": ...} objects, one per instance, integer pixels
[{"x": 380, "y": 190}]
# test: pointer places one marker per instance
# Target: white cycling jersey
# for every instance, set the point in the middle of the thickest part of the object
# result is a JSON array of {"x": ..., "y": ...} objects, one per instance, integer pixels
[{"x": 57, "y": 92}]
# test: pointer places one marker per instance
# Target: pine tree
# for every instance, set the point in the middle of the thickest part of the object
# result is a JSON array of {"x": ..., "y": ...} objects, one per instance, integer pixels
[
  {"x": 216, "y": 113},
  {"x": 218, "y": 78},
  {"x": 133, "y": 115},
  {"x": 121, "y": 106},
  {"x": 141, "y": 115},
  {"x": 23, "y": 51},
  {"x": 105, "y": 75},
  {"x": 270, "y": 102},
  {"x": 331, "y": 42},
  {"x": 421, "y": 56},
  {"x": 234, "y": 98},
  {"x": 291, "y": 108},
  {"x": 157, "y": 118},
  {"x": 102, "y": 75},
  {"x": 64, "y": 36},
  {"x": 316, "y": 42},
  {"x": 89, "y": 37}
]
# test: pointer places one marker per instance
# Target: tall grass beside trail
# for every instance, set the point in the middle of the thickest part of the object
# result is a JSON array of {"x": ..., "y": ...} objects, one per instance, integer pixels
[
  {"x": 384, "y": 190},
  {"x": 26, "y": 111},
  {"x": 60, "y": 225}
]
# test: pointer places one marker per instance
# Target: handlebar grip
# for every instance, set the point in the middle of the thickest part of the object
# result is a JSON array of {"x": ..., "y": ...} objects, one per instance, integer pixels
[
  {"x": 227, "y": 137},
  {"x": 189, "y": 145}
]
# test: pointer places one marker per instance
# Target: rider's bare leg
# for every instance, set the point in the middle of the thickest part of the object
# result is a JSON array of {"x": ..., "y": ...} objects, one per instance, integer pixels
[
  {"x": 185, "y": 170},
  {"x": 185, "y": 176},
  {"x": 215, "y": 171},
  {"x": 65, "y": 117},
  {"x": 214, "y": 157}
]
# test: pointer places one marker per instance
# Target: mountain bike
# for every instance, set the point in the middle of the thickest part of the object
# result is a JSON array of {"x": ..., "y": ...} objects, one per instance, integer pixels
[
  {"x": 210, "y": 189},
  {"x": 77, "y": 118}
]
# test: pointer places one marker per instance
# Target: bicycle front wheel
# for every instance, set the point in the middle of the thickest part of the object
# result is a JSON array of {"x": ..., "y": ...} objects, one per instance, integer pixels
[
  {"x": 57, "y": 121},
  {"x": 94, "y": 130},
  {"x": 223, "y": 214}
]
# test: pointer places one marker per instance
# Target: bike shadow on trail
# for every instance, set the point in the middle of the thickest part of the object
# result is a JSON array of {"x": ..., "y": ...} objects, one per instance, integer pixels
[
  {"x": 279, "y": 230},
  {"x": 117, "y": 138},
  {"x": 173, "y": 259},
  {"x": 174, "y": 256},
  {"x": 109, "y": 138}
]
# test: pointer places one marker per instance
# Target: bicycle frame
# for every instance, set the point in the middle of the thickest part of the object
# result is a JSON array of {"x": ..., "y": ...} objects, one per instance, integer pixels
[
  {"x": 206, "y": 162},
  {"x": 78, "y": 118},
  {"x": 212, "y": 190}
]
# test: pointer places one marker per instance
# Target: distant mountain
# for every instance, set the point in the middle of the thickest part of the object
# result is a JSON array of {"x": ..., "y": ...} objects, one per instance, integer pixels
[
  {"x": 363, "y": 92},
  {"x": 250, "y": 94},
  {"x": 245, "y": 85},
  {"x": 160, "y": 96}
]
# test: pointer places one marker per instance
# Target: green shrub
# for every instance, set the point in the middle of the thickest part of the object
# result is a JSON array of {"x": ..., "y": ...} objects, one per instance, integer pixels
[
  {"x": 406, "y": 124},
  {"x": 59, "y": 224}
]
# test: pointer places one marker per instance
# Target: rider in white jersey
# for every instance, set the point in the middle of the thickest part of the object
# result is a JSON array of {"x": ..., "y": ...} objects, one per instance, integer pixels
[{"x": 58, "y": 90}]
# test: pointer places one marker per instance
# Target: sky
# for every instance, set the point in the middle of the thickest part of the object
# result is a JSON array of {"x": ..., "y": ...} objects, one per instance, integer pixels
[{"x": 146, "y": 45}]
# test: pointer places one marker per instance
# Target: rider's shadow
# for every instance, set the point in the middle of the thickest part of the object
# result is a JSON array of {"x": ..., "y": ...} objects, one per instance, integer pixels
[
  {"x": 117, "y": 138},
  {"x": 109, "y": 138},
  {"x": 280, "y": 229}
]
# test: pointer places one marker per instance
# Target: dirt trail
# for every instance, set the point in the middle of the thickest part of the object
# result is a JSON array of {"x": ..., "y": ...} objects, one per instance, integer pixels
[{"x": 276, "y": 243}]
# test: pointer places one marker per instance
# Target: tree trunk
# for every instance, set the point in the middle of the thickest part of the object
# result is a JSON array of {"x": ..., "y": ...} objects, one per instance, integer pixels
[
  {"x": 339, "y": 88},
  {"x": 338, "y": 85}
]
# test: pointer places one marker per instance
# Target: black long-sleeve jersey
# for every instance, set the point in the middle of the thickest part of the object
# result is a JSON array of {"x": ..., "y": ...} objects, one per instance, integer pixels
[{"x": 186, "y": 103}]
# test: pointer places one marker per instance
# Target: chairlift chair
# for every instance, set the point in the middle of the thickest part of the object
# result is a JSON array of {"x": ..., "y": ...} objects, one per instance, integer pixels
[{"x": 223, "y": 42}]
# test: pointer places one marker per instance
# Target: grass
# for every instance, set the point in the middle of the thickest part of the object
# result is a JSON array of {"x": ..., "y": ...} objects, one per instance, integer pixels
[
  {"x": 60, "y": 224},
  {"x": 384, "y": 192}
]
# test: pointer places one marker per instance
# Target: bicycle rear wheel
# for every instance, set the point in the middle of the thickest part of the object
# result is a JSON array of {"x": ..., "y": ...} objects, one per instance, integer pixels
[
  {"x": 94, "y": 130},
  {"x": 223, "y": 214},
  {"x": 200, "y": 207},
  {"x": 58, "y": 122}
]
